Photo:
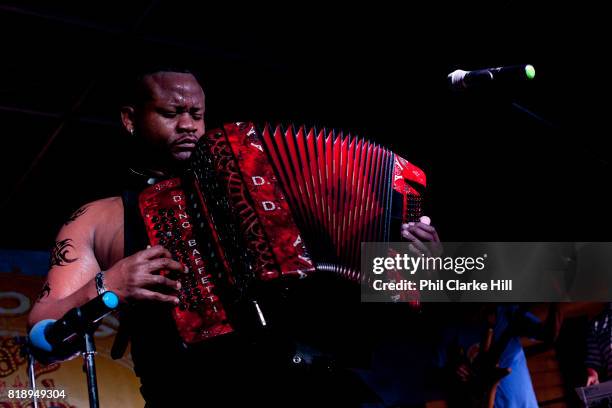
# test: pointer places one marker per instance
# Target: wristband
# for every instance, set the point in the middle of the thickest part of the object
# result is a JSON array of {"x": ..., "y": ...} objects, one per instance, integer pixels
[{"x": 100, "y": 283}]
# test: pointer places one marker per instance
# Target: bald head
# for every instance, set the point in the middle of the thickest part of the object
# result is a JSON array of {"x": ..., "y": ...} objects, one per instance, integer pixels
[
  {"x": 177, "y": 85},
  {"x": 169, "y": 118}
]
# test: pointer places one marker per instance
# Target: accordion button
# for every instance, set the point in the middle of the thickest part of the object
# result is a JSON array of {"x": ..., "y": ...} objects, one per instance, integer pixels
[
  {"x": 157, "y": 226},
  {"x": 162, "y": 211},
  {"x": 170, "y": 212},
  {"x": 155, "y": 218}
]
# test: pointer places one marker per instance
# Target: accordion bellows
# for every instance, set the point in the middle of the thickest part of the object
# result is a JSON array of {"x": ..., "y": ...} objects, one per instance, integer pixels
[{"x": 277, "y": 203}]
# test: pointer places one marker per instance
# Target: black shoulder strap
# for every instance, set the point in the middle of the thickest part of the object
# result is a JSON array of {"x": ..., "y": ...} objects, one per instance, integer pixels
[
  {"x": 134, "y": 240},
  {"x": 135, "y": 234}
]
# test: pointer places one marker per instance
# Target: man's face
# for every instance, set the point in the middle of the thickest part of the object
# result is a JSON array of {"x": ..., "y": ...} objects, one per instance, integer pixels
[{"x": 172, "y": 120}]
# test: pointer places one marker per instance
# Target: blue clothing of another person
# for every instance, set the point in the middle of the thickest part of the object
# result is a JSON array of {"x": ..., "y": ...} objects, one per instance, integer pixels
[{"x": 515, "y": 390}]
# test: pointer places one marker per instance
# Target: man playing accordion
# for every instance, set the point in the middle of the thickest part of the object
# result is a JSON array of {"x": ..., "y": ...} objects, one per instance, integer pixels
[{"x": 103, "y": 247}]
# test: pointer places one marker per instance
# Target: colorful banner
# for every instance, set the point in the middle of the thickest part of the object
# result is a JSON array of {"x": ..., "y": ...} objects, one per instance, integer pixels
[{"x": 22, "y": 275}]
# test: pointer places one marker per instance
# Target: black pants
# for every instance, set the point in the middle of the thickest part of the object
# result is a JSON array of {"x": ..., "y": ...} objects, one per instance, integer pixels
[{"x": 232, "y": 372}]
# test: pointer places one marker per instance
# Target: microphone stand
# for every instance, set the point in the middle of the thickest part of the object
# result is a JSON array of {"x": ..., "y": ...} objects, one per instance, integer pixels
[
  {"x": 32, "y": 376},
  {"x": 550, "y": 125},
  {"x": 90, "y": 368},
  {"x": 531, "y": 114},
  {"x": 25, "y": 351},
  {"x": 86, "y": 332}
]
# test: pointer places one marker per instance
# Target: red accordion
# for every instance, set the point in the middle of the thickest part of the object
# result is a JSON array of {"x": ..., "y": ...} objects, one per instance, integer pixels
[{"x": 270, "y": 205}]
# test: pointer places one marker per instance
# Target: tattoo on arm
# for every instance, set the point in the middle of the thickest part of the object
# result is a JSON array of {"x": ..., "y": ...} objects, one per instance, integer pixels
[
  {"x": 44, "y": 292},
  {"x": 59, "y": 253},
  {"x": 76, "y": 215}
]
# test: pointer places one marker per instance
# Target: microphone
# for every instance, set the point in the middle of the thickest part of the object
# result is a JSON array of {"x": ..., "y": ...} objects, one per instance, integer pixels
[
  {"x": 55, "y": 335},
  {"x": 459, "y": 80}
]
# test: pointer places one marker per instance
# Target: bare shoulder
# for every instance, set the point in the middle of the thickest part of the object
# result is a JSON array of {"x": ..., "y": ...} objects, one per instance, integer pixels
[
  {"x": 98, "y": 225},
  {"x": 106, "y": 209},
  {"x": 95, "y": 215}
]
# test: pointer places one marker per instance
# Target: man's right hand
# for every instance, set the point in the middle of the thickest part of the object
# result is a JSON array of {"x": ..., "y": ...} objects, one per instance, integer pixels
[
  {"x": 137, "y": 276},
  {"x": 592, "y": 377}
]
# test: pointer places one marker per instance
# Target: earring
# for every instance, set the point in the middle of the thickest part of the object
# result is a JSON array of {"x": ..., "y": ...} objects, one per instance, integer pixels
[{"x": 132, "y": 131}]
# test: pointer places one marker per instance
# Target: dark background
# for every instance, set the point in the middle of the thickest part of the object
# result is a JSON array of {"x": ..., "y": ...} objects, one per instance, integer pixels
[{"x": 378, "y": 70}]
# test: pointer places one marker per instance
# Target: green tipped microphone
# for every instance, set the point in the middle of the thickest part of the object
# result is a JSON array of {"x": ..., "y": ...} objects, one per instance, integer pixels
[{"x": 460, "y": 80}]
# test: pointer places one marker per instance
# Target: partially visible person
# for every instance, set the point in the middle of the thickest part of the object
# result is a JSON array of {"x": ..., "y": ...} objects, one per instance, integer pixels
[
  {"x": 474, "y": 375},
  {"x": 598, "y": 359}
]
